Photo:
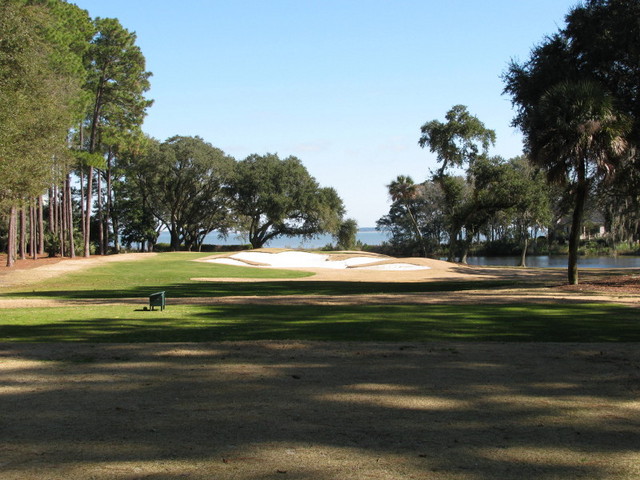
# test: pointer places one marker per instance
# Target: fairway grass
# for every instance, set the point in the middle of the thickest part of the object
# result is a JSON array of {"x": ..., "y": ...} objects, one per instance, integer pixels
[
  {"x": 164, "y": 271},
  {"x": 397, "y": 323},
  {"x": 173, "y": 273}
]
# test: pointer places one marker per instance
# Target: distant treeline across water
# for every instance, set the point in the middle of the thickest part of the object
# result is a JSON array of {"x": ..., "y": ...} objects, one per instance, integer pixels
[{"x": 368, "y": 236}]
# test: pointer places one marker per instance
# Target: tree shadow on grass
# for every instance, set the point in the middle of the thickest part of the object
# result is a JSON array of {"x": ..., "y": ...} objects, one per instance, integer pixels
[
  {"x": 271, "y": 288},
  {"x": 245, "y": 322},
  {"x": 319, "y": 411}
]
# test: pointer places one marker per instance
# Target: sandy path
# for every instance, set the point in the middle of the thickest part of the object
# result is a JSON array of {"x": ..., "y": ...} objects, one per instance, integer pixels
[{"x": 467, "y": 297}]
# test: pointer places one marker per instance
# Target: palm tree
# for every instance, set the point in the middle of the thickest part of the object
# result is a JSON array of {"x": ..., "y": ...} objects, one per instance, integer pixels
[
  {"x": 404, "y": 191},
  {"x": 578, "y": 137}
]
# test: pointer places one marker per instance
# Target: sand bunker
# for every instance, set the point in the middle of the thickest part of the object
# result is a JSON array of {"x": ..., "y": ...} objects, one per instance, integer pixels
[{"x": 296, "y": 259}]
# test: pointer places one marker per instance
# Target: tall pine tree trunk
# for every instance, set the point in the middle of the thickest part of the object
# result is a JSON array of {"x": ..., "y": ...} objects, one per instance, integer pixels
[
  {"x": 23, "y": 233},
  {"x": 33, "y": 238},
  {"x": 53, "y": 213},
  {"x": 52, "y": 209},
  {"x": 87, "y": 213},
  {"x": 69, "y": 209},
  {"x": 82, "y": 197},
  {"x": 40, "y": 226},
  {"x": 11, "y": 237},
  {"x": 100, "y": 213},
  {"x": 61, "y": 222},
  {"x": 109, "y": 208},
  {"x": 93, "y": 145}
]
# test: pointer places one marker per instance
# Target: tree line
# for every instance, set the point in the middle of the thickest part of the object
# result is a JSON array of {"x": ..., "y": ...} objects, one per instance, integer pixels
[
  {"x": 577, "y": 104},
  {"x": 78, "y": 176},
  {"x": 191, "y": 188},
  {"x": 72, "y": 96}
]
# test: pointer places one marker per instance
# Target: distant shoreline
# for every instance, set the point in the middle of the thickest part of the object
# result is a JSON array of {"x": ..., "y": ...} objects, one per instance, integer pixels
[{"x": 366, "y": 235}]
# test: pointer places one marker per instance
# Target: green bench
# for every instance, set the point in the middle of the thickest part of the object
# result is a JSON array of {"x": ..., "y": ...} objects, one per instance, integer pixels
[{"x": 157, "y": 300}]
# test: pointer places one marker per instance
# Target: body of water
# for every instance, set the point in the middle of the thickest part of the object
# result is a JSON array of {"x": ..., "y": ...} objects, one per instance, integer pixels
[
  {"x": 366, "y": 236},
  {"x": 558, "y": 261}
]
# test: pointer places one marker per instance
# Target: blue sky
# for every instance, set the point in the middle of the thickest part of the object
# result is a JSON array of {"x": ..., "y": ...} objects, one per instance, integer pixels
[{"x": 342, "y": 85}]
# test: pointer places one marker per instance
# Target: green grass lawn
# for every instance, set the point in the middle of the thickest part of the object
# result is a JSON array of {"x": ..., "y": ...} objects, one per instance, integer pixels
[
  {"x": 166, "y": 271},
  {"x": 172, "y": 272},
  {"x": 398, "y": 323}
]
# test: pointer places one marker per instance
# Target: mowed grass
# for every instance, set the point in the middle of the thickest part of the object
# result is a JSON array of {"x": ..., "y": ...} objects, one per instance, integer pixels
[
  {"x": 397, "y": 323},
  {"x": 173, "y": 273}
]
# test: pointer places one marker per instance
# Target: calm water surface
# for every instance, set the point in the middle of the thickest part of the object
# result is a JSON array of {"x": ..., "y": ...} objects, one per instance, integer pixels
[{"x": 559, "y": 261}]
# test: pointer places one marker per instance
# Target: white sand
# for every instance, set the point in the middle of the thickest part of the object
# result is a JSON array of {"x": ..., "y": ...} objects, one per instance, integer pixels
[{"x": 294, "y": 259}]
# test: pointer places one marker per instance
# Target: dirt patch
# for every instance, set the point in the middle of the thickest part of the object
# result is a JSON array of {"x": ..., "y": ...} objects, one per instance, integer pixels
[
  {"x": 304, "y": 410},
  {"x": 27, "y": 263},
  {"x": 622, "y": 285},
  {"x": 30, "y": 271},
  {"x": 467, "y": 297}
]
